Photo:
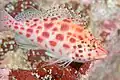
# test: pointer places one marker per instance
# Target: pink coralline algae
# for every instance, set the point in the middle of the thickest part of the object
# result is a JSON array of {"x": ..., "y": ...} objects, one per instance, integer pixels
[
  {"x": 4, "y": 74},
  {"x": 51, "y": 72},
  {"x": 13, "y": 8}
]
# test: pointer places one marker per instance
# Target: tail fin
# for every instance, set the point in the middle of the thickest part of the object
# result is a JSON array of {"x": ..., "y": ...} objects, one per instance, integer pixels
[
  {"x": 4, "y": 18},
  {"x": 18, "y": 28},
  {"x": 8, "y": 21}
]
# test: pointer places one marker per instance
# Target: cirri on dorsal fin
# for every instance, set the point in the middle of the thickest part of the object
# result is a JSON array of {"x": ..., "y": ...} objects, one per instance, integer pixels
[
  {"x": 59, "y": 11},
  {"x": 79, "y": 16},
  {"x": 81, "y": 13},
  {"x": 84, "y": 15}
]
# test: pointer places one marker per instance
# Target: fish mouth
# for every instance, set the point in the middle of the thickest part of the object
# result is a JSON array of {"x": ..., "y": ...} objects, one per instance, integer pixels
[
  {"x": 100, "y": 57},
  {"x": 102, "y": 53}
]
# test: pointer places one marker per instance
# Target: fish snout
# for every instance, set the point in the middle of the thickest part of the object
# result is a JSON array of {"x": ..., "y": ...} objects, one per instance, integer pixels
[{"x": 101, "y": 53}]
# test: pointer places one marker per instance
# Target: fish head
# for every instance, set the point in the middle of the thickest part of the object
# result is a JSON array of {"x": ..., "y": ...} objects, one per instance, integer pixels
[{"x": 88, "y": 50}]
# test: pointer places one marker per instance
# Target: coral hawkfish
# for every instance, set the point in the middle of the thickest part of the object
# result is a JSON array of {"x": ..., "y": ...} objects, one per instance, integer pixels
[{"x": 57, "y": 31}]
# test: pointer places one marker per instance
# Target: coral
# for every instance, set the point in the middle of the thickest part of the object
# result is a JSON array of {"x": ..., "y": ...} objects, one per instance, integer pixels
[
  {"x": 51, "y": 72},
  {"x": 15, "y": 7},
  {"x": 4, "y": 74}
]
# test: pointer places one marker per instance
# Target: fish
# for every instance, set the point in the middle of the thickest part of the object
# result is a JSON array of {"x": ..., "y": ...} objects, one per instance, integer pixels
[{"x": 58, "y": 32}]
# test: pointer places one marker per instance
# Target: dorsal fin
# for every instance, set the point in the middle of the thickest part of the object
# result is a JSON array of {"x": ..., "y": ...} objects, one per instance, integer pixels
[
  {"x": 57, "y": 11},
  {"x": 28, "y": 14},
  {"x": 84, "y": 15},
  {"x": 79, "y": 16}
]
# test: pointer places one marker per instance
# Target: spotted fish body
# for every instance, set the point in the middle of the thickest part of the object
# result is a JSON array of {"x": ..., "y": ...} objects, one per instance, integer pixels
[{"x": 61, "y": 36}]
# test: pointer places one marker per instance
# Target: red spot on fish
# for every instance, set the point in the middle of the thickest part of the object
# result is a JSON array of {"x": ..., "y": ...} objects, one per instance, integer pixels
[
  {"x": 89, "y": 54},
  {"x": 74, "y": 35},
  {"x": 39, "y": 39},
  {"x": 27, "y": 20},
  {"x": 45, "y": 34},
  {"x": 79, "y": 30},
  {"x": 91, "y": 35},
  {"x": 52, "y": 43},
  {"x": 68, "y": 37},
  {"x": 73, "y": 58},
  {"x": 80, "y": 37},
  {"x": 48, "y": 25},
  {"x": 59, "y": 37},
  {"x": 53, "y": 50},
  {"x": 72, "y": 40},
  {"x": 22, "y": 28},
  {"x": 66, "y": 20},
  {"x": 80, "y": 59},
  {"x": 28, "y": 35},
  {"x": 79, "y": 46},
  {"x": 16, "y": 27},
  {"x": 10, "y": 20},
  {"x": 81, "y": 55},
  {"x": 74, "y": 47},
  {"x": 84, "y": 49},
  {"x": 16, "y": 23},
  {"x": 37, "y": 31},
  {"x": 64, "y": 27},
  {"x": 35, "y": 20},
  {"x": 80, "y": 51},
  {"x": 55, "y": 29},
  {"x": 6, "y": 22},
  {"x": 39, "y": 27},
  {"x": 76, "y": 55},
  {"x": 30, "y": 30},
  {"x": 54, "y": 18},
  {"x": 20, "y": 33},
  {"x": 69, "y": 33},
  {"x": 66, "y": 46},
  {"x": 58, "y": 16},
  {"x": 45, "y": 19}
]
